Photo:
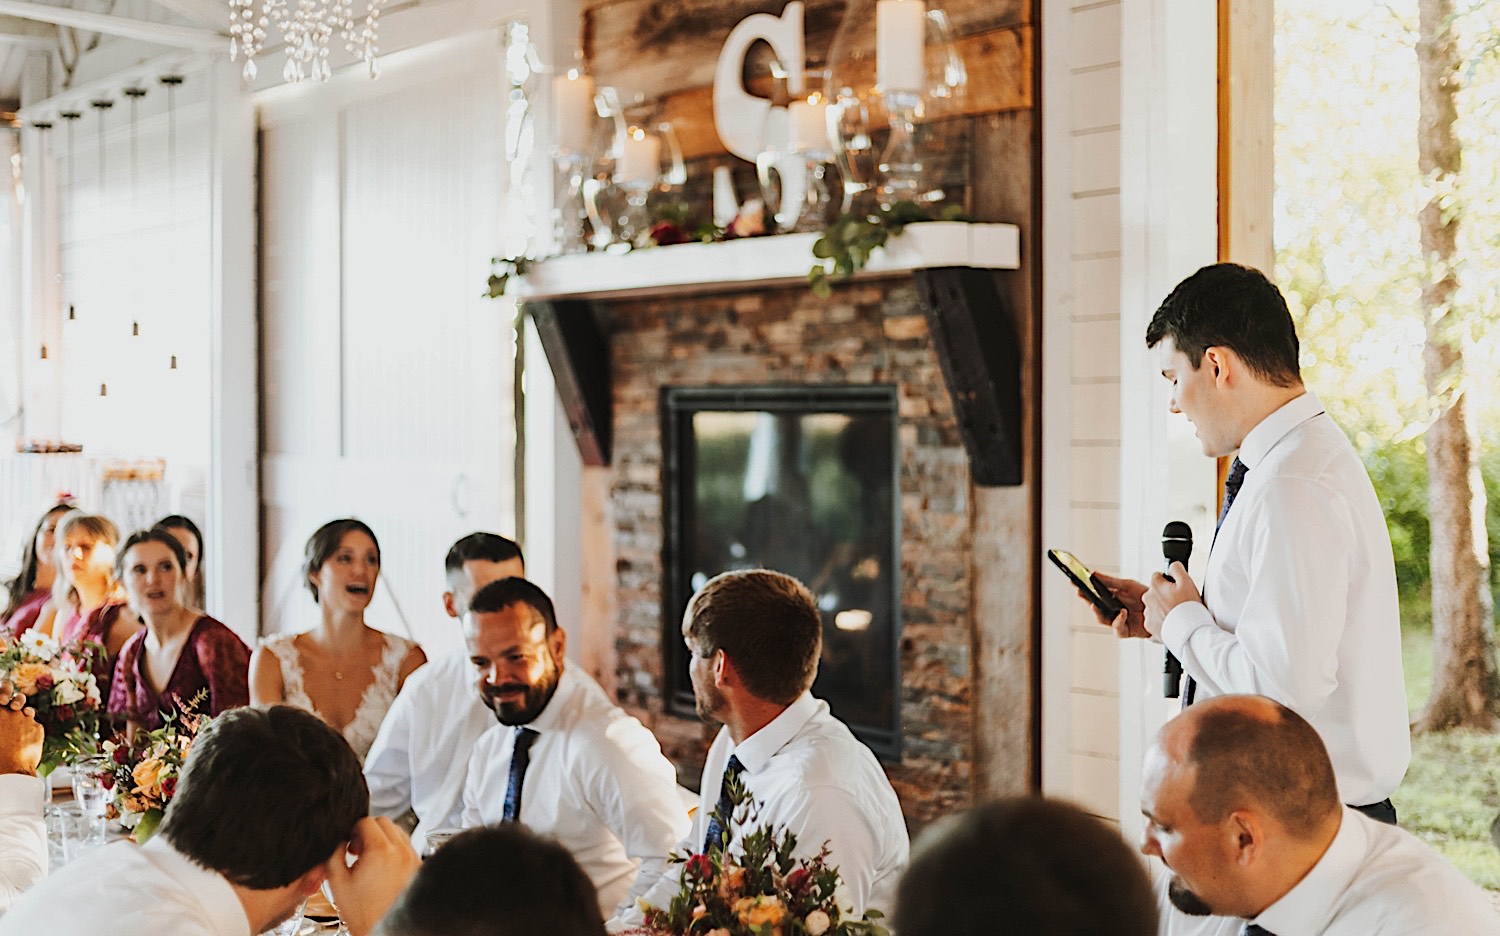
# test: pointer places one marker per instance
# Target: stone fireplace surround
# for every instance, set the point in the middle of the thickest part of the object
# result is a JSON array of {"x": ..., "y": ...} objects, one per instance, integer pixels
[{"x": 967, "y": 679}]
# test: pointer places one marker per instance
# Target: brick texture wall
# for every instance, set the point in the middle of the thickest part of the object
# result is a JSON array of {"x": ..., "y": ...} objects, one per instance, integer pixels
[{"x": 869, "y": 333}]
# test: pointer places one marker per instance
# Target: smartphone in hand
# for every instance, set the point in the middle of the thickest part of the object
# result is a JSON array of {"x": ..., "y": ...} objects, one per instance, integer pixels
[{"x": 1079, "y": 574}]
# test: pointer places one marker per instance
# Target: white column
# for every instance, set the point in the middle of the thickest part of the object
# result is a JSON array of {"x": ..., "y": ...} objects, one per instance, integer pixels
[
  {"x": 1168, "y": 217},
  {"x": 234, "y": 479}
]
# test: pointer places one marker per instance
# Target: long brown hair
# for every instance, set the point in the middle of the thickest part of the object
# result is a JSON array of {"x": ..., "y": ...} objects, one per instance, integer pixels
[{"x": 22, "y": 585}]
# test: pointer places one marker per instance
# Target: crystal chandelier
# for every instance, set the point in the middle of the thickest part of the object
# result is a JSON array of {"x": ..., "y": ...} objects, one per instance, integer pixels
[{"x": 308, "y": 28}]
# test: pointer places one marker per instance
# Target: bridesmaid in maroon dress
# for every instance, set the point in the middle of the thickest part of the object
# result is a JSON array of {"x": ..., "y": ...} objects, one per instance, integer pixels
[
  {"x": 29, "y": 592},
  {"x": 90, "y": 606},
  {"x": 182, "y": 653}
]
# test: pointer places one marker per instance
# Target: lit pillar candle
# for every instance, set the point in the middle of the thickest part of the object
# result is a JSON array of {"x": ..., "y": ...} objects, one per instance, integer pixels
[
  {"x": 809, "y": 125},
  {"x": 573, "y": 107},
  {"x": 640, "y": 158},
  {"x": 900, "y": 36}
]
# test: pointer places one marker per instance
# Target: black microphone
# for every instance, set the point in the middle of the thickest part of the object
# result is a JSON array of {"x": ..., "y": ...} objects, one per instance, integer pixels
[{"x": 1176, "y": 546}]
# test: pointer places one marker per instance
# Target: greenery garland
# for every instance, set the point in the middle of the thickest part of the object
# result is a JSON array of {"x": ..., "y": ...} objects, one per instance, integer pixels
[{"x": 845, "y": 247}]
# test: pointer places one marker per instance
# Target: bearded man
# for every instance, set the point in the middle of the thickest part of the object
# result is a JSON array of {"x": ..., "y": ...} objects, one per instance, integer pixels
[{"x": 564, "y": 760}]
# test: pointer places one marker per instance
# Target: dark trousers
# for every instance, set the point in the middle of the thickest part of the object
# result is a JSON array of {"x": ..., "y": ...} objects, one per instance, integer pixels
[{"x": 1383, "y": 811}]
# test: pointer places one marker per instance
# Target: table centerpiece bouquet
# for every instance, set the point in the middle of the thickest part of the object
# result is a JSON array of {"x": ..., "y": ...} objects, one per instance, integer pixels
[
  {"x": 144, "y": 767},
  {"x": 58, "y": 684},
  {"x": 764, "y": 889}
]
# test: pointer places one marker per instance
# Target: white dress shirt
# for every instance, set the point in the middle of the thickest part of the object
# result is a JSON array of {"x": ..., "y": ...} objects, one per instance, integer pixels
[
  {"x": 420, "y": 757},
  {"x": 129, "y": 890},
  {"x": 596, "y": 781},
  {"x": 1374, "y": 880},
  {"x": 1301, "y": 600},
  {"x": 23, "y": 836},
  {"x": 811, "y": 776}
]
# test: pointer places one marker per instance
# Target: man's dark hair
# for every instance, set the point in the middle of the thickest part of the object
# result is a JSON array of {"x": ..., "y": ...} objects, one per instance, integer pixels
[
  {"x": 1242, "y": 757},
  {"x": 154, "y": 535},
  {"x": 497, "y": 881},
  {"x": 488, "y": 547},
  {"x": 502, "y": 593},
  {"x": 268, "y": 794},
  {"x": 325, "y": 542},
  {"x": 767, "y": 624},
  {"x": 1231, "y": 306},
  {"x": 1024, "y": 865},
  {"x": 179, "y": 522}
]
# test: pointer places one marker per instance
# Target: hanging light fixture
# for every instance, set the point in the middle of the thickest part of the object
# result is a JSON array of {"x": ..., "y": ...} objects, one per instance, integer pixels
[
  {"x": 172, "y": 83},
  {"x": 135, "y": 94},
  {"x": 44, "y": 132},
  {"x": 72, "y": 117},
  {"x": 308, "y": 29}
]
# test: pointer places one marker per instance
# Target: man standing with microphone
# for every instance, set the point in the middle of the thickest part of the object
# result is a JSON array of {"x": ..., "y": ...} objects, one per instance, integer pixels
[{"x": 1299, "y": 594}]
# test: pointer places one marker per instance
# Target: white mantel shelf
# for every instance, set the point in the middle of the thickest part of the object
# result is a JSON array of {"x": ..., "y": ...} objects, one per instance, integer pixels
[{"x": 760, "y": 261}]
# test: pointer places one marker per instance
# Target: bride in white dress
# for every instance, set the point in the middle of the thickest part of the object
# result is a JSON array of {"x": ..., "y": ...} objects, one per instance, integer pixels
[{"x": 344, "y": 671}]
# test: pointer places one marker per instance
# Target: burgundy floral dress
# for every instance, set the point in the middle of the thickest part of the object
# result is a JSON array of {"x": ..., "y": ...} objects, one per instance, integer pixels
[
  {"x": 27, "y": 613},
  {"x": 214, "y": 661},
  {"x": 93, "y": 628}
]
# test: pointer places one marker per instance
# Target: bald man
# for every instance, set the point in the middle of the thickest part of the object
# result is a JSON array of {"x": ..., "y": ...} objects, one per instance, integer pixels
[{"x": 1241, "y": 805}]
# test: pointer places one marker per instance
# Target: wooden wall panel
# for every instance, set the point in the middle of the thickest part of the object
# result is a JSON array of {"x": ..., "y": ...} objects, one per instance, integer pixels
[
  {"x": 1000, "y": 80},
  {"x": 656, "y": 47}
]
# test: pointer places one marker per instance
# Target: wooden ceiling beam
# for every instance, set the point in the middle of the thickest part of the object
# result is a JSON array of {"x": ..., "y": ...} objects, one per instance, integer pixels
[{"x": 182, "y": 37}]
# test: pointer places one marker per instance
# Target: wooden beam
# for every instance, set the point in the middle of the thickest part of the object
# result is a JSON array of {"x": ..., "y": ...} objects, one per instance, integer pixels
[
  {"x": 998, "y": 62},
  {"x": 183, "y": 37},
  {"x": 27, "y": 32},
  {"x": 577, "y": 348},
  {"x": 1247, "y": 169},
  {"x": 205, "y": 13}
]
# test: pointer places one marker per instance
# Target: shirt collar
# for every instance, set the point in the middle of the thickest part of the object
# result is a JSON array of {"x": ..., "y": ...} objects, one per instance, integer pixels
[
  {"x": 1271, "y": 430},
  {"x": 209, "y": 888},
  {"x": 553, "y": 716},
  {"x": 1308, "y": 906},
  {"x": 758, "y": 749}
]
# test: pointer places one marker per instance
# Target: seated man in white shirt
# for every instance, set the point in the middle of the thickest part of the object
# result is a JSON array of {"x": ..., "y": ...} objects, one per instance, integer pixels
[
  {"x": 499, "y": 880},
  {"x": 270, "y": 804},
  {"x": 1024, "y": 865},
  {"x": 755, "y": 639},
  {"x": 564, "y": 760},
  {"x": 23, "y": 836},
  {"x": 417, "y": 762},
  {"x": 1242, "y": 807}
]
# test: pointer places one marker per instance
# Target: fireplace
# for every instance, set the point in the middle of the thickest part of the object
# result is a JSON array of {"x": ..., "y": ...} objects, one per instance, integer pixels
[{"x": 800, "y": 479}]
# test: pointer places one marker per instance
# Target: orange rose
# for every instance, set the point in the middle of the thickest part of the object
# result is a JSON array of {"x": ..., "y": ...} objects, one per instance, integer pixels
[
  {"x": 146, "y": 773},
  {"x": 760, "y": 911},
  {"x": 26, "y": 675}
]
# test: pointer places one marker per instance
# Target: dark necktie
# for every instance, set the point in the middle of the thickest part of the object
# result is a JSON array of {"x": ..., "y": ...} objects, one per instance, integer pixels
[
  {"x": 715, "y": 837},
  {"x": 1232, "y": 484},
  {"x": 520, "y": 757},
  {"x": 1252, "y": 930}
]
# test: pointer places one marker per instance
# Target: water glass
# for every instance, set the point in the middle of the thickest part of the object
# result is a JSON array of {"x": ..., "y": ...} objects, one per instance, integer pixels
[
  {"x": 91, "y": 798},
  {"x": 70, "y": 833},
  {"x": 291, "y": 926},
  {"x": 436, "y": 839}
]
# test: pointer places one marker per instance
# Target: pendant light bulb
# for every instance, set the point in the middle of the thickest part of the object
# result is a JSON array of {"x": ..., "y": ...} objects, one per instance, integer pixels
[
  {"x": 174, "y": 362},
  {"x": 104, "y": 390},
  {"x": 135, "y": 329},
  {"x": 44, "y": 352},
  {"x": 72, "y": 312}
]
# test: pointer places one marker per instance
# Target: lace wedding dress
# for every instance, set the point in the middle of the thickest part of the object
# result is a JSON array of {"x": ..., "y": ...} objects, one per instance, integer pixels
[{"x": 361, "y": 730}]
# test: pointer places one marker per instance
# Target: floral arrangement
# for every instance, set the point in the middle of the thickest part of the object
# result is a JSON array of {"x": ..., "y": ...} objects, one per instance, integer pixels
[
  {"x": 764, "y": 890},
  {"x": 143, "y": 770},
  {"x": 59, "y": 685}
]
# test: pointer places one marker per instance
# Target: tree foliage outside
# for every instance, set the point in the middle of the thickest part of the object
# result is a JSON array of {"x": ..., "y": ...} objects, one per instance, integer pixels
[{"x": 1348, "y": 239}]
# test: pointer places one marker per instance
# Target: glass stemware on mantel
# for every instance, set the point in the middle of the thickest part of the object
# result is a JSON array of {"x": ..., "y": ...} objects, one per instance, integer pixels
[{"x": 888, "y": 140}]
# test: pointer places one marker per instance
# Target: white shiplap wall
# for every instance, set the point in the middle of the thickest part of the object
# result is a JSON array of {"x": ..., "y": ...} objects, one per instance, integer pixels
[
  {"x": 1129, "y": 144},
  {"x": 1081, "y": 420},
  {"x": 386, "y": 377}
]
